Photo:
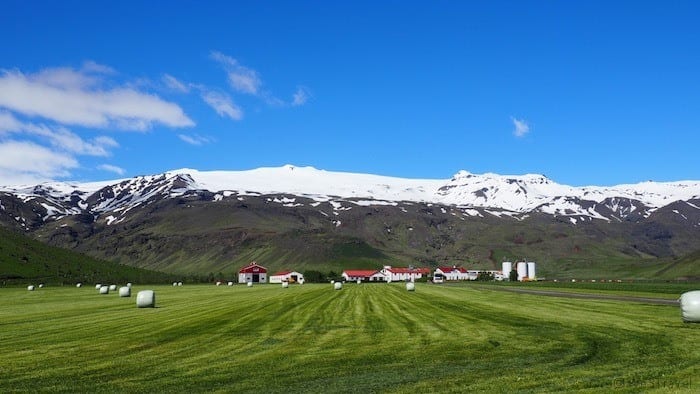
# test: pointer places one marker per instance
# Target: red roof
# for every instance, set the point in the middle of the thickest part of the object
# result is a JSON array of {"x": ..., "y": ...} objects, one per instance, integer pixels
[
  {"x": 360, "y": 273},
  {"x": 253, "y": 268},
  {"x": 282, "y": 273},
  {"x": 409, "y": 270},
  {"x": 451, "y": 269}
]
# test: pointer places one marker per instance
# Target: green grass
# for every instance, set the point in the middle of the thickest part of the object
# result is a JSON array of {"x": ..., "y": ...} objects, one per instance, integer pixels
[
  {"x": 364, "y": 338},
  {"x": 24, "y": 260}
]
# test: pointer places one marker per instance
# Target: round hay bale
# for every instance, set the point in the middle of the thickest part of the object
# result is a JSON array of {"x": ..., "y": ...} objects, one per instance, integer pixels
[
  {"x": 218, "y": 283},
  {"x": 179, "y": 283},
  {"x": 338, "y": 285},
  {"x": 41, "y": 285},
  {"x": 285, "y": 284},
  {"x": 410, "y": 286},
  {"x": 146, "y": 299},
  {"x": 125, "y": 291},
  {"x": 97, "y": 286},
  {"x": 30, "y": 287},
  {"x": 230, "y": 283},
  {"x": 174, "y": 284},
  {"x": 250, "y": 284},
  {"x": 128, "y": 285},
  {"x": 359, "y": 281},
  {"x": 690, "y": 306},
  {"x": 332, "y": 281},
  {"x": 104, "y": 290},
  {"x": 112, "y": 287},
  {"x": 78, "y": 284}
]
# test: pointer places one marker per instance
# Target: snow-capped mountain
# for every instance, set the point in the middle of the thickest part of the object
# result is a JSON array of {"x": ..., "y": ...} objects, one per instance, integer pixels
[{"x": 473, "y": 194}]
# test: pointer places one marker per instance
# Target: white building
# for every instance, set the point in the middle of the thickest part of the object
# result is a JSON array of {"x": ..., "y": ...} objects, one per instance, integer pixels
[
  {"x": 452, "y": 273},
  {"x": 364, "y": 276},
  {"x": 287, "y": 276},
  {"x": 404, "y": 274},
  {"x": 253, "y": 273}
]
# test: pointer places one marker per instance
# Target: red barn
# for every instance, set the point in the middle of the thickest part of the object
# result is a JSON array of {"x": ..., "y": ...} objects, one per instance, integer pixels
[{"x": 252, "y": 273}]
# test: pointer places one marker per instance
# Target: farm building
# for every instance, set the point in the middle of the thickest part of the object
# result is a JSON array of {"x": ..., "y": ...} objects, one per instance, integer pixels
[
  {"x": 399, "y": 274},
  {"x": 252, "y": 273},
  {"x": 287, "y": 276},
  {"x": 364, "y": 275},
  {"x": 452, "y": 273}
]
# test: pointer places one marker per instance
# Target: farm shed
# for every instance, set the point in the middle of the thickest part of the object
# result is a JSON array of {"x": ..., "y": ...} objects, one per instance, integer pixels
[
  {"x": 364, "y": 275},
  {"x": 398, "y": 274},
  {"x": 287, "y": 276},
  {"x": 253, "y": 273},
  {"x": 453, "y": 273}
]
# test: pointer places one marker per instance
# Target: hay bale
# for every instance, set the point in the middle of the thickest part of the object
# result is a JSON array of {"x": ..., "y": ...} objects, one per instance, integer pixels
[
  {"x": 78, "y": 284},
  {"x": 97, "y": 286},
  {"x": 332, "y": 281},
  {"x": 104, "y": 290},
  {"x": 285, "y": 284},
  {"x": 690, "y": 306},
  {"x": 179, "y": 283},
  {"x": 41, "y": 285},
  {"x": 338, "y": 285},
  {"x": 218, "y": 283},
  {"x": 146, "y": 299},
  {"x": 112, "y": 287},
  {"x": 125, "y": 291},
  {"x": 230, "y": 283},
  {"x": 174, "y": 284},
  {"x": 128, "y": 285},
  {"x": 30, "y": 287},
  {"x": 410, "y": 286},
  {"x": 359, "y": 281},
  {"x": 250, "y": 284}
]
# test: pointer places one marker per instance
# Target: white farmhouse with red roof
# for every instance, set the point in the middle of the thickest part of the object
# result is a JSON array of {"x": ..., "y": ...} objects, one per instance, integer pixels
[
  {"x": 287, "y": 276},
  {"x": 453, "y": 273},
  {"x": 404, "y": 274},
  {"x": 364, "y": 275},
  {"x": 252, "y": 273}
]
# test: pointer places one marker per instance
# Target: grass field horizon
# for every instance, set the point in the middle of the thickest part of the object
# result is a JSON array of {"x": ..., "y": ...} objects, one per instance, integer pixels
[{"x": 363, "y": 338}]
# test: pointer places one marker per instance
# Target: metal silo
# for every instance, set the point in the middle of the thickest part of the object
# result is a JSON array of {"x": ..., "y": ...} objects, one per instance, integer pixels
[
  {"x": 521, "y": 267},
  {"x": 531, "y": 270},
  {"x": 506, "y": 267}
]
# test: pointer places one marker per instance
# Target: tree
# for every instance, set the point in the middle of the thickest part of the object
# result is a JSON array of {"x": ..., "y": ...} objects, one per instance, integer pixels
[{"x": 513, "y": 276}]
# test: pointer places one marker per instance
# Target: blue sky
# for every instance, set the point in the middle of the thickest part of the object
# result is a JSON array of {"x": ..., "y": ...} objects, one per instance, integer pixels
[{"x": 583, "y": 92}]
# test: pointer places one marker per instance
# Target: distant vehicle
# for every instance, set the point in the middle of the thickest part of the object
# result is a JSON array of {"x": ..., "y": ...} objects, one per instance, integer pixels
[{"x": 438, "y": 278}]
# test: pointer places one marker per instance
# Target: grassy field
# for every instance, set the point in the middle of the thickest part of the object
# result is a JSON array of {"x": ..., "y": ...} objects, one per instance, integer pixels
[{"x": 363, "y": 338}]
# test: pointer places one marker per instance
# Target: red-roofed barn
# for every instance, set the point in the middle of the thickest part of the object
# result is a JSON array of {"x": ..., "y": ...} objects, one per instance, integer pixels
[
  {"x": 252, "y": 273},
  {"x": 287, "y": 276}
]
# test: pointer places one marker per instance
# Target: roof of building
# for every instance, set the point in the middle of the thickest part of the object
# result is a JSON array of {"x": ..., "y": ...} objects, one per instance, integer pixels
[
  {"x": 452, "y": 269},
  {"x": 252, "y": 268},
  {"x": 360, "y": 273},
  {"x": 404, "y": 270}
]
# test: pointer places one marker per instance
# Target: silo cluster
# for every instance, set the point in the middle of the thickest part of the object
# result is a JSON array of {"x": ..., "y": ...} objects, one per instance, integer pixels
[{"x": 525, "y": 270}]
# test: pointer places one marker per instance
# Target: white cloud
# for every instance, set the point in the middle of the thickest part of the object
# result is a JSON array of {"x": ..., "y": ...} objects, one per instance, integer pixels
[
  {"x": 175, "y": 84},
  {"x": 242, "y": 79},
  {"x": 59, "y": 137},
  {"x": 111, "y": 168},
  {"x": 520, "y": 127},
  {"x": 74, "y": 97},
  {"x": 300, "y": 97},
  {"x": 196, "y": 139},
  {"x": 22, "y": 161},
  {"x": 222, "y": 104}
]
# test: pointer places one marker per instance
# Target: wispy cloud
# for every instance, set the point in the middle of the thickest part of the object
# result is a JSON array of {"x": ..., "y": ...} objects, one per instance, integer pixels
[
  {"x": 24, "y": 161},
  {"x": 241, "y": 78},
  {"x": 111, "y": 168},
  {"x": 520, "y": 127},
  {"x": 71, "y": 97},
  {"x": 300, "y": 97},
  {"x": 222, "y": 104},
  {"x": 195, "y": 139},
  {"x": 175, "y": 84}
]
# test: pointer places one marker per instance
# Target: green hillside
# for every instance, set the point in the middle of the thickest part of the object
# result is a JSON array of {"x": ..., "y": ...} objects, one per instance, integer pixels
[{"x": 24, "y": 260}]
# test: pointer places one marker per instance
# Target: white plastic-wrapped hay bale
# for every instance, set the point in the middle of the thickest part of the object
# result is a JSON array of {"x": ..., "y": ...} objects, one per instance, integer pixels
[
  {"x": 41, "y": 285},
  {"x": 230, "y": 283},
  {"x": 128, "y": 285},
  {"x": 250, "y": 284},
  {"x": 78, "y": 284},
  {"x": 179, "y": 283},
  {"x": 174, "y": 284},
  {"x": 332, "y": 282},
  {"x": 30, "y": 287},
  {"x": 218, "y": 283},
  {"x": 104, "y": 290},
  {"x": 125, "y": 291},
  {"x": 112, "y": 287},
  {"x": 285, "y": 284},
  {"x": 338, "y": 285},
  {"x": 690, "y": 306},
  {"x": 146, "y": 299},
  {"x": 410, "y": 286},
  {"x": 359, "y": 281},
  {"x": 97, "y": 286}
]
